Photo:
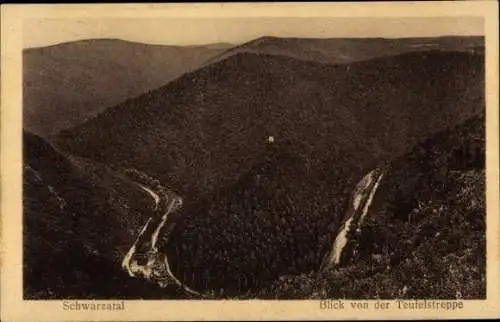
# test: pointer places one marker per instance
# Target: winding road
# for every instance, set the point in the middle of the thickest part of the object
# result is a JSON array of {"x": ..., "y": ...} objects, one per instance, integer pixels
[{"x": 143, "y": 259}]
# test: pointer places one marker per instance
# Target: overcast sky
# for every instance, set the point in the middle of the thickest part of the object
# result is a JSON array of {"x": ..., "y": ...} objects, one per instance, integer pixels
[{"x": 192, "y": 31}]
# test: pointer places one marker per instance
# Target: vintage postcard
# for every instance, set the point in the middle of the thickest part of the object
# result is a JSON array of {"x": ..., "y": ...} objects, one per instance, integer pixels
[{"x": 263, "y": 161}]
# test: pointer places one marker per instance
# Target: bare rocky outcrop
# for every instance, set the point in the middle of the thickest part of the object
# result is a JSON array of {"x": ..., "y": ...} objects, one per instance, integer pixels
[{"x": 359, "y": 206}]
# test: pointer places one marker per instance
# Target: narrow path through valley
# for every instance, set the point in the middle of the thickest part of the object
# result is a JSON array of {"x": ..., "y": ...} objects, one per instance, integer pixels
[{"x": 143, "y": 258}]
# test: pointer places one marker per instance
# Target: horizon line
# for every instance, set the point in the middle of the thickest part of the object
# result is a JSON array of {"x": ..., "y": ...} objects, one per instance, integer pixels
[{"x": 244, "y": 42}]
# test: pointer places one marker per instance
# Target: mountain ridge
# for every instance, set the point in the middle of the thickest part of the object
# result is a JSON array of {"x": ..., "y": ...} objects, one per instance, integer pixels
[
  {"x": 124, "y": 41},
  {"x": 242, "y": 87},
  {"x": 65, "y": 84},
  {"x": 345, "y": 50}
]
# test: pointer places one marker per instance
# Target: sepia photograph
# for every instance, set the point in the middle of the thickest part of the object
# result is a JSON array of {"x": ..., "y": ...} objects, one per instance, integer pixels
[{"x": 259, "y": 157}]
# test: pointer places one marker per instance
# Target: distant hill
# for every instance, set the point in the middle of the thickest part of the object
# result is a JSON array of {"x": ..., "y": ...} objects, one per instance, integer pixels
[
  {"x": 346, "y": 50},
  {"x": 201, "y": 131},
  {"x": 66, "y": 84}
]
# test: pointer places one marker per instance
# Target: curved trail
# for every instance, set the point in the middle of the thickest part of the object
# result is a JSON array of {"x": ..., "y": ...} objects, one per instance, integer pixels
[
  {"x": 360, "y": 204},
  {"x": 143, "y": 258},
  {"x": 153, "y": 194}
]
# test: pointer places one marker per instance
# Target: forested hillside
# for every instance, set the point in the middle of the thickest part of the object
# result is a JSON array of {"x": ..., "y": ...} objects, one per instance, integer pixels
[
  {"x": 425, "y": 235},
  {"x": 199, "y": 132}
]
